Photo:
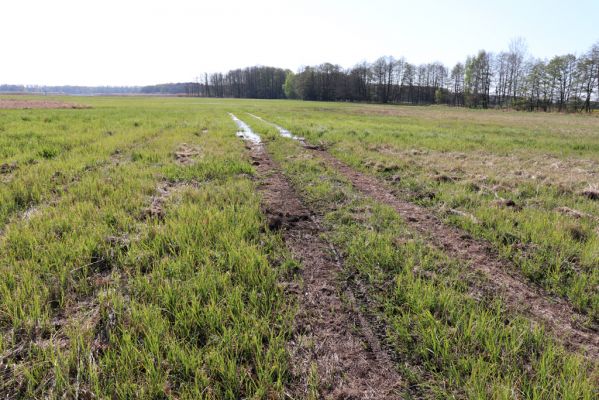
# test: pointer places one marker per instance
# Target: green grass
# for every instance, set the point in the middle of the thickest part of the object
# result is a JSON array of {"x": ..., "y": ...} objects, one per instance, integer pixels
[{"x": 100, "y": 298}]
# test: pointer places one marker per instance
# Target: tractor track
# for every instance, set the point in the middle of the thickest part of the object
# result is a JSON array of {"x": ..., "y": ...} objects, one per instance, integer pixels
[{"x": 330, "y": 333}]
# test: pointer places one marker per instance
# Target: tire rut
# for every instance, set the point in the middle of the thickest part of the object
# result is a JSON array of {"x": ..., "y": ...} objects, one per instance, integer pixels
[
  {"x": 554, "y": 313},
  {"x": 329, "y": 331}
]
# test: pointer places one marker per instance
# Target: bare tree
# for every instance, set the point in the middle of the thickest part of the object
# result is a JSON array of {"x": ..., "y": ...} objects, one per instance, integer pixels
[
  {"x": 477, "y": 79},
  {"x": 501, "y": 73},
  {"x": 515, "y": 62},
  {"x": 587, "y": 75},
  {"x": 561, "y": 70},
  {"x": 457, "y": 77}
]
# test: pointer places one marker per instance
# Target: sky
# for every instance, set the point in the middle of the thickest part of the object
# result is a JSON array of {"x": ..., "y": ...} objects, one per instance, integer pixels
[{"x": 139, "y": 42}]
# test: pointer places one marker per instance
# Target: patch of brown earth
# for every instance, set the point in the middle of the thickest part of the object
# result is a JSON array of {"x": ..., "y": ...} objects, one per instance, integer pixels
[
  {"x": 330, "y": 333},
  {"x": 7, "y": 168},
  {"x": 591, "y": 193},
  {"x": 118, "y": 157},
  {"x": 164, "y": 191},
  {"x": 21, "y": 104},
  {"x": 442, "y": 178},
  {"x": 505, "y": 203},
  {"x": 570, "y": 212},
  {"x": 519, "y": 294},
  {"x": 185, "y": 153}
]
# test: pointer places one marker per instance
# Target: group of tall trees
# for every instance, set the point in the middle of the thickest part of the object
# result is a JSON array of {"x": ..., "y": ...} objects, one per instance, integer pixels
[
  {"x": 507, "y": 79},
  {"x": 563, "y": 83},
  {"x": 252, "y": 82},
  {"x": 387, "y": 80}
]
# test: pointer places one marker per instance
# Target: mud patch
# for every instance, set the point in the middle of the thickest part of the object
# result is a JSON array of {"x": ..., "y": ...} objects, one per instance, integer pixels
[
  {"x": 7, "y": 168},
  {"x": 570, "y": 212},
  {"x": 505, "y": 203},
  {"x": 278, "y": 220},
  {"x": 118, "y": 157},
  {"x": 443, "y": 178},
  {"x": 591, "y": 193},
  {"x": 185, "y": 154},
  {"x": 164, "y": 191},
  {"x": 20, "y": 104}
]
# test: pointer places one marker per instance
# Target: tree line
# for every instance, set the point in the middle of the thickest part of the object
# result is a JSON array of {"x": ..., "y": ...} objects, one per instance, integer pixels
[
  {"x": 251, "y": 82},
  {"x": 71, "y": 90},
  {"x": 508, "y": 79}
]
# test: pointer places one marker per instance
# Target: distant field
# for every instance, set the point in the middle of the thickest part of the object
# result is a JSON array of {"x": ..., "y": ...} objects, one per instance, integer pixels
[
  {"x": 369, "y": 251},
  {"x": 29, "y": 102}
]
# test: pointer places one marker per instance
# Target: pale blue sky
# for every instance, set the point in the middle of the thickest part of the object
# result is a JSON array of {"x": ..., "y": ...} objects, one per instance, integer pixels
[{"x": 133, "y": 42}]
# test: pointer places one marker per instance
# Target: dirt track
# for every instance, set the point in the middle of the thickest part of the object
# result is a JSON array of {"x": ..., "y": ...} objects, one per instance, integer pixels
[
  {"x": 329, "y": 333},
  {"x": 519, "y": 295}
]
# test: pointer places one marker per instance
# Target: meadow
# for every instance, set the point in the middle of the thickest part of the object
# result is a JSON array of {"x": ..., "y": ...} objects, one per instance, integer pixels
[{"x": 142, "y": 255}]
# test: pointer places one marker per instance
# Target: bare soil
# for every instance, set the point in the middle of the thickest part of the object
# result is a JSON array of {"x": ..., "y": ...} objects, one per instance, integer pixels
[
  {"x": 591, "y": 192},
  {"x": 7, "y": 168},
  {"x": 164, "y": 191},
  {"x": 185, "y": 154},
  {"x": 330, "y": 333},
  {"x": 570, "y": 212},
  {"x": 21, "y": 104},
  {"x": 518, "y": 293}
]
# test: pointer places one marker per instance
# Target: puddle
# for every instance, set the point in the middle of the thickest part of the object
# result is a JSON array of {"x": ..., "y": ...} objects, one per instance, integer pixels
[
  {"x": 284, "y": 132},
  {"x": 245, "y": 131}
]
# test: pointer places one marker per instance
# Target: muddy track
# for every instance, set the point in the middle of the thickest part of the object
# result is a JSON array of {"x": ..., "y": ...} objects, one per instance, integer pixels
[
  {"x": 329, "y": 333},
  {"x": 519, "y": 294}
]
